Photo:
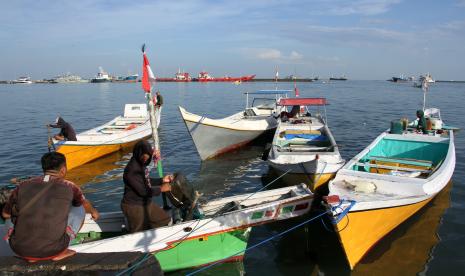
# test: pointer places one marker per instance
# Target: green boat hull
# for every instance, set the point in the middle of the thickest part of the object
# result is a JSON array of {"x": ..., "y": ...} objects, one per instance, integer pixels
[
  {"x": 204, "y": 250},
  {"x": 192, "y": 252}
]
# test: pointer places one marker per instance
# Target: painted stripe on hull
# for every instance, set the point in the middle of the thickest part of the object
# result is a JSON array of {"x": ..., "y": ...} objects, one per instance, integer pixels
[
  {"x": 363, "y": 229},
  {"x": 204, "y": 250},
  {"x": 77, "y": 155},
  {"x": 211, "y": 141}
]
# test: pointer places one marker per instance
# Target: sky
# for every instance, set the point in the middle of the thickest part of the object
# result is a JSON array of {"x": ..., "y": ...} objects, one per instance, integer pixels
[{"x": 363, "y": 39}]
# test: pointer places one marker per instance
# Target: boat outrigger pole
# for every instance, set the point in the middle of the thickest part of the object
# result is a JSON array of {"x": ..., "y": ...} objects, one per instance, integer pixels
[{"x": 147, "y": 77}]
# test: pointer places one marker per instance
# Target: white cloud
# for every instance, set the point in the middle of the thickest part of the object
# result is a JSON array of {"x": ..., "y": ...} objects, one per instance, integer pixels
[
  {"x": 461, "y": 3},
  {"x": 363, "y": 7},
  {"x": 274, "y": 55},
  {"x": 295, "y": 56},
  {"x": 269, "y": 54}
]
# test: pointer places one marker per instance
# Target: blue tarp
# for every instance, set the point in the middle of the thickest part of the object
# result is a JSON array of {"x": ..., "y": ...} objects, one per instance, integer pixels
[{"x": 312, "y": 137}]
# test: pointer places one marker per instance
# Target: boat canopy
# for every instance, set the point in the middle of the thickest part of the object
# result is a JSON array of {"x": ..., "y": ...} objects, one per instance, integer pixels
[
  {"x": 302, "y": 101},
  {"x": 269, "y": 92}
]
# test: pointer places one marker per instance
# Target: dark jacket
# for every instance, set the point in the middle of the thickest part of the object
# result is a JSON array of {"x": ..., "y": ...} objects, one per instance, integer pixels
[
  {"x": 67, "y": 130},
  {"x": 159, "y": 100},
  {"x": 421, "y": 121},
  {"x": 136, "y": 188}
]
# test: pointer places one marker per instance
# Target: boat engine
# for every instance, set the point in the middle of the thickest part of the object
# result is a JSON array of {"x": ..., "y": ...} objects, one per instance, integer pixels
[{"x": 184, "y": 198}]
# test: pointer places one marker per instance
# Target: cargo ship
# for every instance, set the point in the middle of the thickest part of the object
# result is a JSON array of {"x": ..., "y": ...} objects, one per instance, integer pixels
[
  {"x": 178, "y": 77},
  {"x": 341, "y": 78},
  {"x": 102, "y": 76},
  {"x": 205, "y": 77}
]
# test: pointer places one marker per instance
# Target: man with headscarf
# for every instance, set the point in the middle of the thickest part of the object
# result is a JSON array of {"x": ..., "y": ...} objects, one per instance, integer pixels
[
  {"x": 67, "y": 131},
  {"x": 137, "y": 206},
  {"x": 421, "y": 121}
]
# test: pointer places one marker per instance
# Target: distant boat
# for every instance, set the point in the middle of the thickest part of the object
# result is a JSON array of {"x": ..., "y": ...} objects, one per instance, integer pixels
[
  {"x": 68, "y": 78},
  {"x": 399, "y": 79},
  {"x": 130, "y": 78},
  {"x": 178, "y": 77},
  {"x": 102, "y": 76},
  {"x": 424, "y": 78},
  {"x": 23, "y": 80},
  {"x": 341, "y": 78},
  {"x": 205, "y": 77}
]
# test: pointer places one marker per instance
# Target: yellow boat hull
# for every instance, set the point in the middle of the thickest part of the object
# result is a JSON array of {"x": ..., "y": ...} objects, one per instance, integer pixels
[
  {"x": 77, "y": 155},
  {"x": 315, "y": 182},
  {"x": 359, "y": 231}
]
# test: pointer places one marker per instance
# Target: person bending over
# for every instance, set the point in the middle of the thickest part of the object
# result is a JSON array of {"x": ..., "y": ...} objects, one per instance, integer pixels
[
  {"x": 46, "y": 213},
  {"x": 67, "y": 131}
]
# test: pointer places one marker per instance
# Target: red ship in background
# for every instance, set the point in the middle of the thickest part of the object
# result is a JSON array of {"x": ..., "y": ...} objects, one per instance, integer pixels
[
  {"x": 178, "y": 77},
  {"x": 205, "y": 77}
]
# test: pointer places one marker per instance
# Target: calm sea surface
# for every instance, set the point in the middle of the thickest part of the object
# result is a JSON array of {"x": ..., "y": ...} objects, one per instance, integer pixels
[{"x": 432, "y": 242}]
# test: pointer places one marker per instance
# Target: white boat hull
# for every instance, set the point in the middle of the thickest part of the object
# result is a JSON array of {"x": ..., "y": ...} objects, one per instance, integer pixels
[{"x": 214, "y": 137}]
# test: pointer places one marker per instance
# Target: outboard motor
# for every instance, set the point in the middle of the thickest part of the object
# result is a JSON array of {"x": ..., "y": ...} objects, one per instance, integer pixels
[{"x": 184, "y": 198}]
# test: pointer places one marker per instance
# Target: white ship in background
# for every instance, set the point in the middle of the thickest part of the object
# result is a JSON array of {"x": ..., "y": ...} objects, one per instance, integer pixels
[
  {"x": 23, "y": 80},
  {"x": 69, "y": 78}
]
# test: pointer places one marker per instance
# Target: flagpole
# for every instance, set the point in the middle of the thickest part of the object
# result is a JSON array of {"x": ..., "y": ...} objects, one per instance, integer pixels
[
  {"x": 146, "y": 76},
  {"x": 276, "y": 79}
]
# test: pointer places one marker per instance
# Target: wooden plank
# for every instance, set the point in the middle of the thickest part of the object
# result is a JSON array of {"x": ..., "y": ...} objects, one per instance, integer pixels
[
  {"x": 378, "y": 166},
  {"x": 407, "y": 161}
]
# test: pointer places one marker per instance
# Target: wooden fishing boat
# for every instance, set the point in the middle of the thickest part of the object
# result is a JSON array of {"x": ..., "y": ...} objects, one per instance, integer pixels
[
  {"x": 303, "y": 143},
  {"x": 213, "y": 137},
  {"x": 222, "y": 232},
  {"x": 386, "y": 183},
  {"x": 121, "y": 132}
]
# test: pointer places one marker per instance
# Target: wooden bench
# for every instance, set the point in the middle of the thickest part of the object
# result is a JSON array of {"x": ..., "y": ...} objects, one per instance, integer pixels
[
  {"x": 384, "y": 164},
  {"x": 405, "y": 161}
]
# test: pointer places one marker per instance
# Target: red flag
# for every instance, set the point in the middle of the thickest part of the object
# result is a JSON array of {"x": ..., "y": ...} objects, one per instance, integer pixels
[{"x": 147, "y": 74}]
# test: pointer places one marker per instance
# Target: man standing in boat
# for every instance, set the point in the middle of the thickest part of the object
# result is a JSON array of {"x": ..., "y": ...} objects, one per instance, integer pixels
[
  {"x": 67, "y": 131},
  {"x": 159, "y": 102},
  {"x": 47, "y": 212},
  {"x": 137, "y": 206}
]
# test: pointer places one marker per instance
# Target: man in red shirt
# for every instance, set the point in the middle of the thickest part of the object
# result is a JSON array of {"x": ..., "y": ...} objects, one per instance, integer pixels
[{"x": 46, "y": 211}]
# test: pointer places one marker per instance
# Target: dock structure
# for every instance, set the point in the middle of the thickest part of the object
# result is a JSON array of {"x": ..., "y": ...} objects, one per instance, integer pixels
[{"x": 84, "y": 264}]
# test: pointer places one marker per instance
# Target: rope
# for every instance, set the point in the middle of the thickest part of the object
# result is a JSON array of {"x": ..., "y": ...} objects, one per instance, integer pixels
[
  {"x": 258, "y": 244},
  {"x": 136, "y": 265},
  {"x": 196, "y": 228}
]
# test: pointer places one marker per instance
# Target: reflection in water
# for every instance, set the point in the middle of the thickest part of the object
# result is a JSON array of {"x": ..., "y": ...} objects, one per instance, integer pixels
[
  {"x": 314, "y": 250},
  {"x": 104, "y": 169},
  {"x": 408, "y": 249},
  {"x": 235, "y": 173}
]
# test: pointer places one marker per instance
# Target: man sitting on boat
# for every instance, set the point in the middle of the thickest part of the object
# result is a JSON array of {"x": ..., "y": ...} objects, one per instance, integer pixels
[
  {"x": 67, "y": 131},
  {"x": 287, "y": 115},
  {"x": 46, "y": 211},
  {"x": 159, "y": 102},
  {"x": 137, "y": 206},
  {"x": 421, "y": 126}
]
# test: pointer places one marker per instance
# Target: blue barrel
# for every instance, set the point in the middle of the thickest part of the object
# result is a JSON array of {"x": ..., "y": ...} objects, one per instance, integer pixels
[{"x": 396, "y": 127}]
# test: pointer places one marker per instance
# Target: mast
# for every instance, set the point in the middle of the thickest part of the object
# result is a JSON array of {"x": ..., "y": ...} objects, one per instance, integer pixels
[{"x": 147, "y": 78}]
